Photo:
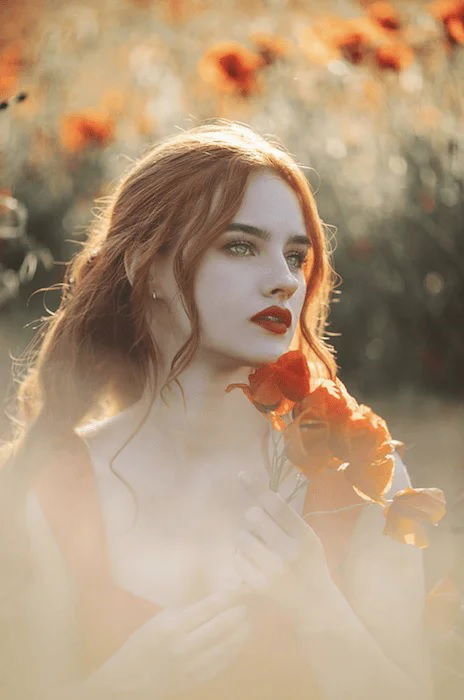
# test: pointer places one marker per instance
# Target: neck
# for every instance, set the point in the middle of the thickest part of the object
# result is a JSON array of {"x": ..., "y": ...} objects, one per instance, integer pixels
[{"x": 208, "y": 421}]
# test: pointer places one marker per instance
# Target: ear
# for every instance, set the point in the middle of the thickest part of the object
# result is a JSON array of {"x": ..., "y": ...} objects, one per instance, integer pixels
[
  {"x": 131, "y": 259},
  {"x": 130, "y": 262},
  {"x": 130, "y": 265}
]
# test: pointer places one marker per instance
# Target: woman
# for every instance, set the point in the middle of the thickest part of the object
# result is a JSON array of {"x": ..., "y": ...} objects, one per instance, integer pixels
[{"x": 158, "y": 572}]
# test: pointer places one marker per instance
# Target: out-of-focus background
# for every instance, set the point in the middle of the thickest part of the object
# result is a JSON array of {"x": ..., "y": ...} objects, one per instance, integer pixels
[{"x": 368, "y": 97}]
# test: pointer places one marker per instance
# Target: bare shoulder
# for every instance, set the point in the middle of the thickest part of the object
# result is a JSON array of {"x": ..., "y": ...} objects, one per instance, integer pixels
[
  {"x": 98, "y": 432},
  {"x": 102, "y": 439},
  {"x": 6, "y": 451},
  {"x": 105, "y": 437}
]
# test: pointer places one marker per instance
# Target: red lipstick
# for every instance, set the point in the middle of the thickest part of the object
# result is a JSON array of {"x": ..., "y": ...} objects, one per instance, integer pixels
[{"x": 274, "y": 318}]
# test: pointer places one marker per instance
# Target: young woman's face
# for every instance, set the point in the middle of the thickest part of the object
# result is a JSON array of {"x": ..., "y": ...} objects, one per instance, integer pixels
[{"x": 246, "y": 271}]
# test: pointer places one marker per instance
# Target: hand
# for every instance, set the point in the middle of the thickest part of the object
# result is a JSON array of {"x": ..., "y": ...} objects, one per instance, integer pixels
[
  {"x": 176, "y": 649},
  {"x": 278, "y": 553}
]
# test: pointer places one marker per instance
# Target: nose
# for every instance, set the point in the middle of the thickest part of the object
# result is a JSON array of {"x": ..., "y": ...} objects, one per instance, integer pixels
[{"x": 279, "y": 281}]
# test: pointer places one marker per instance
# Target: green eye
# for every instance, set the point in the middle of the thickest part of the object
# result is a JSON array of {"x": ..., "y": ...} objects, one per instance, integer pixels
[
  {"x": 239, "y": 244},
  {"x": 246, "y": 246},
  {"x": 300, "y": 259}
]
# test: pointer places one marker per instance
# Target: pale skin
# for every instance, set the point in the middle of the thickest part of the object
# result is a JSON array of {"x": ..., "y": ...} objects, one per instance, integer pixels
[{"x": 278, "y": 554}]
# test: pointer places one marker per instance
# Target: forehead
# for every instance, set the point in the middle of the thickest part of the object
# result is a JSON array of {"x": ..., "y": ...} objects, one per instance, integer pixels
[{"x": 270, "y": 202}]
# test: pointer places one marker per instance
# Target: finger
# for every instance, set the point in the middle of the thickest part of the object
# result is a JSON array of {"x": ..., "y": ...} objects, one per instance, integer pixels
[
  {"x": 263, "y": 526},
  {"x": 213, "y": 631},
  {"x": 281, "y": 512},
  {"x": 214, "y": 660},
  {"x": 250, "y": 573},
  {"x": 259, "y": 554},
  {"x": 217, "y": 661},
  {"x": 201, "y": 611}
]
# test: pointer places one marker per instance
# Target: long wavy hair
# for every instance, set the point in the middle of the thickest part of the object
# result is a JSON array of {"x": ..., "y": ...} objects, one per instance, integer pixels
[{"x": 97, "y": 351}]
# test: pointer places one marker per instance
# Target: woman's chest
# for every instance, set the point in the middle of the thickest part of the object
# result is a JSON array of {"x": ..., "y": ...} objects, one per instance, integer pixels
[{"x": 173, "y": 539}]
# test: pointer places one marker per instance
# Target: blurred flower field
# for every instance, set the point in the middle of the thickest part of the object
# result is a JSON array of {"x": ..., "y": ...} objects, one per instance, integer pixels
[{"x": 367, "y": 96}]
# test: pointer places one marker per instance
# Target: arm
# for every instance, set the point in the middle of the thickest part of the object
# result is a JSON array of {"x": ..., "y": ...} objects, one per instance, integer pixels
[
  {"x": 369, "y": 643},
  {"x": 168, "y": 654},
  {"x": 52, "y": 629},
  {"x": 380, "y": 619}
]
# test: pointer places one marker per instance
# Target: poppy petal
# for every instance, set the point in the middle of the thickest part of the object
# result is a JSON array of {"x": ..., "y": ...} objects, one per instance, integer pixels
[{"x": 408, "y": 512}]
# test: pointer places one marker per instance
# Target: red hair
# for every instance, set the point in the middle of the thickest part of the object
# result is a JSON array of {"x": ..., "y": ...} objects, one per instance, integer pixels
[{"x": 97, "y": 351}]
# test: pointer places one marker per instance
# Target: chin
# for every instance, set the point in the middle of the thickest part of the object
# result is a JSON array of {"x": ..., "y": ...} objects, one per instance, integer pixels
[
  {"x": 247, "y": 353},
  {"x": 263, "y": 355}
]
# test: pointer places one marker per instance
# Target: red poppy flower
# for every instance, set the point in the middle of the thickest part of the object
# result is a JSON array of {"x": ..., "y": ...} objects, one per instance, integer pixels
[
  {"x": 317, "y": 437},
  {"x": 270, "y": 47},
  {"x": 394, "y": 57},
  {"x": 276, "y": 386},
  {"x": 410, "y": 510},
  {"x": 79, "y": 131},
  {"x": 353, "y": 47},
  {"x": 371, "y": 480},
  {"x": 384, "y": 14},
  {"x": 455, "y": 30},
  {"x": 451, "y": 14},
  {"x": 331, "y": 36},
  {"x": 12, "y": 62},
  {"x": 231, "y": 68},
  {"x": 331, "y": 434},
  {"x": 327, "y": 400},
  {"x": 331, "y": 429},
  {"x": 308, "y": 444},
  {"x": 369, "y": 436},
  {"x": 369, "y": 453}
]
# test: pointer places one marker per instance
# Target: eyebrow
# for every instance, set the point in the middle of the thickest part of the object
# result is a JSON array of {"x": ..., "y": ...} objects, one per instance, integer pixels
[{"x": 266, "y": 235}]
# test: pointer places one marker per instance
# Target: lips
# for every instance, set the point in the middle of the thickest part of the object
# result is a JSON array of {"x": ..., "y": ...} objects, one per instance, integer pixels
[{"x": 274, "y": 318}]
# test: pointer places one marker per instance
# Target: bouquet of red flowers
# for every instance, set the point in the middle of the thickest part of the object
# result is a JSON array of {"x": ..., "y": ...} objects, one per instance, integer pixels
[{"x": 326, "y": 430}]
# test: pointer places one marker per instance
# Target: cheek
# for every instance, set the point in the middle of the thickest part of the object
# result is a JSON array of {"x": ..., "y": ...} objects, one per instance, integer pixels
[
  {"x": 219, "y": 286},
  {"x": 299, "y": 297}
]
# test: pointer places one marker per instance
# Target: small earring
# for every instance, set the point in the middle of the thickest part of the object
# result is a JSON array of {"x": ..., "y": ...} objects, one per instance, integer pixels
[{"x": 154, "y": 295}]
